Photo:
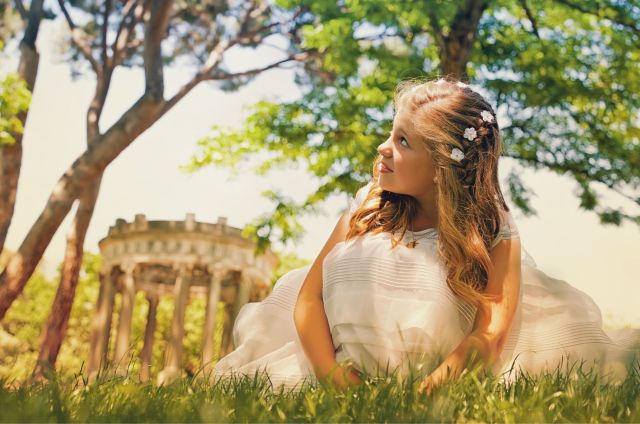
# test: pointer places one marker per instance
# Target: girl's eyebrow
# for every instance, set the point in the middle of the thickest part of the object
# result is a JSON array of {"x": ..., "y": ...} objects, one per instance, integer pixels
[{"x": 400, "y": 129}]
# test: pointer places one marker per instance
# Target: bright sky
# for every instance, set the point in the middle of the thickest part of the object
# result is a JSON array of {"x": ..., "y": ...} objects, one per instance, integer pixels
[{"x": 566, "y": 243}]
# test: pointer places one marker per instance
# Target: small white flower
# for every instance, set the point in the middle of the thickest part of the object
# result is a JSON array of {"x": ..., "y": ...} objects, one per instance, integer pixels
[
  {"x": 462, "y": 85},
  {"x": 486, "y": 116},
  {"x": 470, "y": 133},
  {"x": 441, "y": 81},
  {"x": 456, "y": 154}
]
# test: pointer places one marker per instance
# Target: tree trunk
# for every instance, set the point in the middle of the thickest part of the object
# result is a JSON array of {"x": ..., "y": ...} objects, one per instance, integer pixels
[
  {"x": 82, "y": 174},
  {"x": 10, "y": 163},
  {"x": 55, "y": 329},
  {"x": 11, "y": 155},
  {"x": 455, "y": 46},
  {"x": 90, "y": 166}
]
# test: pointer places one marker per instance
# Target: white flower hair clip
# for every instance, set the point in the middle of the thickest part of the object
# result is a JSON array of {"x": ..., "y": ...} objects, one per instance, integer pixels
[
  {"x": 457, "y": 154},
  {"x": 441, "y": 81},
  {"x": 487, "y": 116},
  {"x": 462, "y": 85},
  {"x": 470, "y": 133}
]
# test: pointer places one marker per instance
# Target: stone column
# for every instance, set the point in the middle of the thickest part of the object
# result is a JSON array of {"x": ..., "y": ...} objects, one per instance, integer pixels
[
  {"x": 215, "y": 285},
  {"x": 149, "y": 332},
  {"x": 227, "y": 332},
  {"x": 109, "y": 327},
  {"x": 123, "y": 338},
  {"x": 174, "y": 350},
  {"x": 101, "y": 327},
  {"x": 242, "y": 295}
]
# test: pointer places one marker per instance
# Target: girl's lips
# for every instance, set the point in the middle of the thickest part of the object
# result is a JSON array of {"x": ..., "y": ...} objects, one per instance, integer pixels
[{"x": 383, "y": 168}]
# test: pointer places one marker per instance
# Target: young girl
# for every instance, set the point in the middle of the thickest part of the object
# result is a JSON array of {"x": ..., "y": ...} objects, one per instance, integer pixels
[{"x": 426, "y": 265}]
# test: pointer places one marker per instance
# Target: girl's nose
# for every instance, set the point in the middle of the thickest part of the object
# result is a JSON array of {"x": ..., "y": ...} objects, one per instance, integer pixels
[{"x": 385, "y": 148}]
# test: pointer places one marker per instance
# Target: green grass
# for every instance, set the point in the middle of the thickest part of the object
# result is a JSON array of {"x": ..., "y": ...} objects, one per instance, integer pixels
[{"x": 575, "y": 396}]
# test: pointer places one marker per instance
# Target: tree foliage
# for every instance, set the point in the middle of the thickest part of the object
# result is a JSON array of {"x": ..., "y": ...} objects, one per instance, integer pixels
[
  {"x": 15, "y": 98},
  {"x": 563, "y": 75}
]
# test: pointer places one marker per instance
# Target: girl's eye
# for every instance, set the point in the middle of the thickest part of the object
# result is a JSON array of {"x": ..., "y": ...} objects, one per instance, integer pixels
[{"x": 405, "y": 140}]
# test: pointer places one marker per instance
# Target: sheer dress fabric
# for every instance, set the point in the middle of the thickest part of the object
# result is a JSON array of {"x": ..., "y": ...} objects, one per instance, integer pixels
[{"x": 390, "y": 310}]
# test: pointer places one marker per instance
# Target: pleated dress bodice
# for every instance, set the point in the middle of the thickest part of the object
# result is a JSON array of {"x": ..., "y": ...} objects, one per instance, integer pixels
[{"x": 391, "y": 307}]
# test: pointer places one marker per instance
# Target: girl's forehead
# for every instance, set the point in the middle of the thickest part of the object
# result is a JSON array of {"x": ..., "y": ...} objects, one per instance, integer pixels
[{"x": 402, "y": 119}]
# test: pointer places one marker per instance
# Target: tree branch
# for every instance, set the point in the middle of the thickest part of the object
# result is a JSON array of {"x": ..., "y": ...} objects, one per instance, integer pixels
[
  {"x": 386, "y": 33},
  {"x": 597, "y": 12},
  {"x": 184, "y": 90},
  {"x": 249, "y": 16},
  {"x": 297, "y": 57},
  {"x": 435, "y": 26},
  {"x": 575, "y": 170},
  {"x": 155, "y": 32},
  {"x": 127, "y": 10},
  {"x": 214, "y": 59},
  {"x": 244, "y": 36},
  {"x": 34, "y": 17},
  {"x": 105, "y": 30},
  {"x": 132, "y": 16},
  {"x": 21, "y": 10},
  {"x": 531, "y": 18},
  {"x": 79, "y": 38},
  {"x": 97, "y": 105},
  {"x": 216, "y": 54}
]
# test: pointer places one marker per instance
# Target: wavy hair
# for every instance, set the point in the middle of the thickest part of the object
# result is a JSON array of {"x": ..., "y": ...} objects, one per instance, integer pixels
[{"x": 469, "y": 198}]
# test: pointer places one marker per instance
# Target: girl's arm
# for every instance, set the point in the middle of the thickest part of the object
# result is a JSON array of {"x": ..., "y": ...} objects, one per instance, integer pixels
[
  {"x": 311, "y": 321},
  {"x": 492, "y": 324}
]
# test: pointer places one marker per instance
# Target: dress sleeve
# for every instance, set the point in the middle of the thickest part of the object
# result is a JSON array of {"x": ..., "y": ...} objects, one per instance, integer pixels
[
  {"x": 355, "y": 202},
  {"x": 508, "y": 229}
]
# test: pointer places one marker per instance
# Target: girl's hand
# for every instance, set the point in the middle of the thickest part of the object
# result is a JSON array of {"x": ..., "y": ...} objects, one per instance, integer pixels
[
  {"x": 427, "y": 386},
  {"x": 353, "y": 376},
  {"x": 346, "y": 376}
]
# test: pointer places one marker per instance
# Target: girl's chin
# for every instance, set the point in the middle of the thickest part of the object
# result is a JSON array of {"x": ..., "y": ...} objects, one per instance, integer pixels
[
  {"x": 386, "y": 187},
  {"x": 383, "y": 180}
]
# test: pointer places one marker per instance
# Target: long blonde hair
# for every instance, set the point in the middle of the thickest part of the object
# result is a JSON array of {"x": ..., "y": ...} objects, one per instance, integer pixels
[{"x": 468, "y": 195}]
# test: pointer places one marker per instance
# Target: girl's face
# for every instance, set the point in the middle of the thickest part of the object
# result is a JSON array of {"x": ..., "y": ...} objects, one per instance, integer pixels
[{"x": 409, "y": 167}]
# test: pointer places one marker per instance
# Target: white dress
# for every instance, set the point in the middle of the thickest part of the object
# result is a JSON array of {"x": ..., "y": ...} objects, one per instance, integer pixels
[{"x": 389, "y": 309}]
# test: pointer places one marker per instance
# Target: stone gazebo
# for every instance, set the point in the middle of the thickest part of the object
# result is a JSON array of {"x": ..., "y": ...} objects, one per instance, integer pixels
[{"x": 180, "y": 259}]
